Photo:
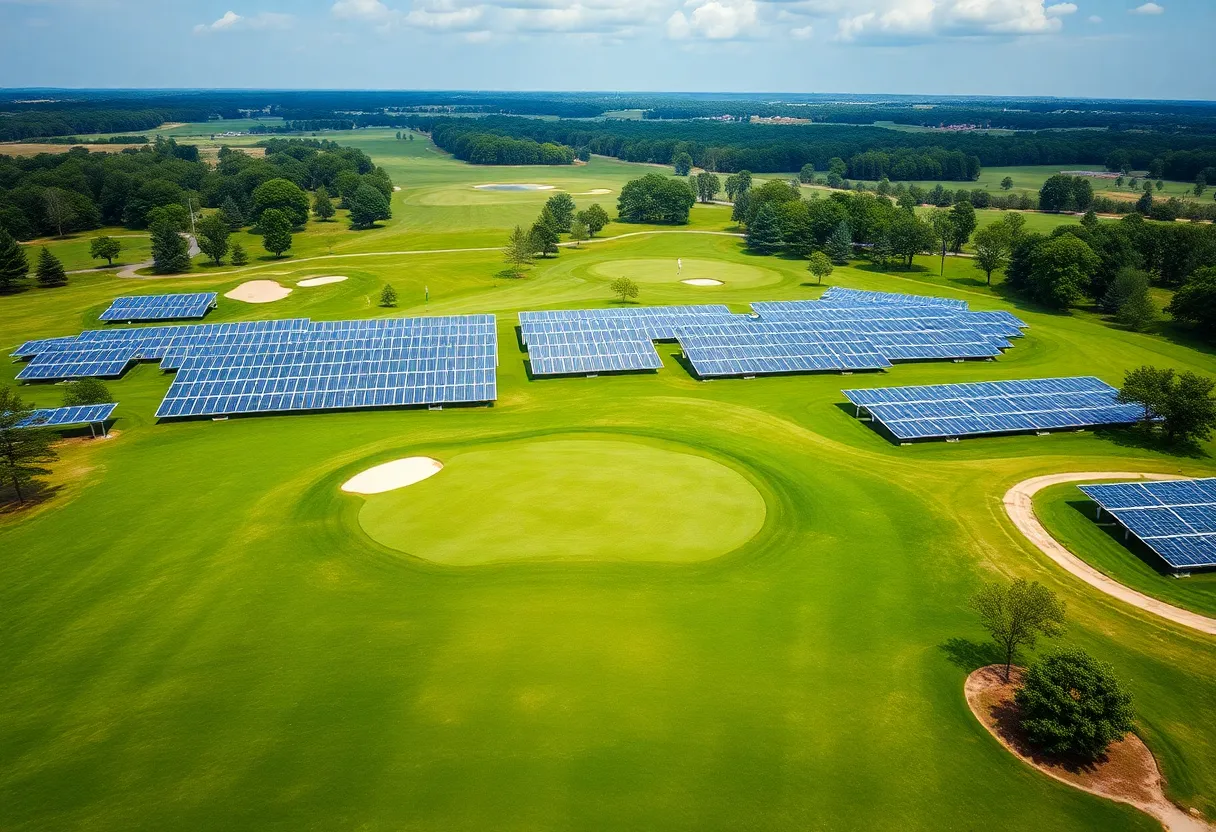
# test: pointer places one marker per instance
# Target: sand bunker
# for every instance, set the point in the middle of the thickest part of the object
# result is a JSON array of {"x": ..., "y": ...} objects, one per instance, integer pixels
[
  {"x": 393, "y": 475},
  {"x": 702, "y": 281},
  {"x": 322, "y": 281},
  {"x": 259, "y": 291},
  {"x": 396, "y": 188},
  {"x": 526, "y": 186},
  {"x": 594, "y": 192}
]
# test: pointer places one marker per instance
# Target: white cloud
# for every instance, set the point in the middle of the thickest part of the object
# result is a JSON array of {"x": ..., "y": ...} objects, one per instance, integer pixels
[
  {"x": 362, "y": 10},
  {"x": 1093, "y": 18},
  {"x": 902, "y": 21},
  {"x": 1148, "y": 8},
  {"x": 713, "y": 19},
  {"x": 232, "y": 21},
  {"x": 1061, "y": 9},
  {"x": 477, "y": 19},
  {"x": 802, "y": 32}
]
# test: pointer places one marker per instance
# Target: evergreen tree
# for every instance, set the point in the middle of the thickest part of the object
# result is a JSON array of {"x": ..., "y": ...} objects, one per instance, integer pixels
[
  {"x": 213, "y": 234},
  {"x": 839, "y": 246},
  {"x": 275, "y": 226},
  {"x": 106, "y": 247},
  {"x": 14, "y": 266},
  {"x": 764, "y": 232},
  {"x": 23, "y": 451},
  {"x": 561, "y": 208},
  {"x": 50, "y": 271},
  {"x": 544, "y": 235},
  {"x": 519, "y": 251},
  {"x": 388, "y": 296},
  {"x": 239, "y": 256},
  {"x": 882, "y": 252},
  {"x": 322, "y": 205},
  {"x": 232, "y": 214},
  {"x": 170, "y": 251}
]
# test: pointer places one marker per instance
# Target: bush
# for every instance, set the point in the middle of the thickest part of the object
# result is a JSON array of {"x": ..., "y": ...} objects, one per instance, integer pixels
[
  {"x": 1072, "y": 704},
  {"x": 86, "y": 391}
]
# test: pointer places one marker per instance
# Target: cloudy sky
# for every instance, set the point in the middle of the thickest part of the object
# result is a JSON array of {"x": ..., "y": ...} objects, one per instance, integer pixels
[{"x": 1117, "y": 48}]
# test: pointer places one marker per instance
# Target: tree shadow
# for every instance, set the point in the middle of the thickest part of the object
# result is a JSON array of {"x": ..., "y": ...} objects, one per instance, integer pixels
[
  {"x": 1145, "y": 439},
  {"x": 970, "y": 655},
  {"x": 35, "y": 495}
]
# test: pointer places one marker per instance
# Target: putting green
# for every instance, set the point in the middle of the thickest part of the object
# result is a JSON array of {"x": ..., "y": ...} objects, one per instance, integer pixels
[
  {"x": 665, "y": 271},
  {"x": 569, "y": 499}
]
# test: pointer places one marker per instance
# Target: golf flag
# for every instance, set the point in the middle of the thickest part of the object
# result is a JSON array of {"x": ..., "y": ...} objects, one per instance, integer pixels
[{"x": 427, "y": 289}]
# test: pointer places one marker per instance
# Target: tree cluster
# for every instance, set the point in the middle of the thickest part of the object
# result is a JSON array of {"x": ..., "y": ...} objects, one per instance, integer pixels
[
  {"x": 1180, "y": 405},
  {"x": 655, "y": 198}
]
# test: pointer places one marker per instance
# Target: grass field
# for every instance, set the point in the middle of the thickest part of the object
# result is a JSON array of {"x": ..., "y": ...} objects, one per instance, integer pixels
[{"x": 202, "y": 632}]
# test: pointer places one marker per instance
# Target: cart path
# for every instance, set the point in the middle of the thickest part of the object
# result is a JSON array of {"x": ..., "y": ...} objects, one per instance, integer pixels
[{"x": 1020, "y": 507}]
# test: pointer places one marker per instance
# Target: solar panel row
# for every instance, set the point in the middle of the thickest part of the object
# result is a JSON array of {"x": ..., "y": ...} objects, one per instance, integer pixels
[
  {"x": 952, "y": 410},
  {"x": 159, "y": 307},
  {"x": 855, "y": 297},
  {"x": 88, "y": 414},
  {"x": 1176, "y": 519}
]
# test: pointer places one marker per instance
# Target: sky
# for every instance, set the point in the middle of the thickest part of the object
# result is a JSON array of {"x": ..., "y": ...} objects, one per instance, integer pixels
[{"x": 1092, "y": 48}]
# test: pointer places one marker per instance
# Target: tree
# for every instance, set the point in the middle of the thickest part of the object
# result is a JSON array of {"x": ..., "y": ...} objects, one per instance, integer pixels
[
  {"x": 595, "y": 218},
  {"x": 388, "y": 296},
  {"x": 1144, "y": 205},
  {"x": 1137, "y": 312},
  {"x": 1159, "y": 185},
  {"x": 1148, "y": 387},
  {"x": 1060, "y": 269},
  {"x": 738, "y": 184},
  {"x": 764, "y": 233},
  {"x": 943, "y": 231},
  {"x": 561, "y": 209},
  {"x": 1189, "y": 411},
  {"x": 1195, "y": 302},
  {"x": 1007, "y": 183},
  {"x": 170, "y": 251},
  {"x": 578, "y": 231},
  {"x": 1128, "y": 283},
  {"x": 86, "y": 391},
  {"x": 322, "y": 205},
  {"x": 239, "y": 256},
  {"x": 708, "y": 185},
  {"x": 625, "y": 288},
  {"x": 682, "y": 163},
  {"x": 807, "y": 174},
  {"x": 213, "y": 234},
  {"x": 519, "y": 251},
  {"x": 367, "y": 206},
  {"x": 59, "y": 210},
  {"x": 882, "y": 251},
  {"x": 910, "y": 235},
  {"x": 23, "y": 451},
  {"x": 655, "y": 198},
  {"x": 275, "y": 226},
  {"x": 991, "y": 249},
  {"x": 281, "y": 195},
  {"x": 232, "y": 214},
  {"x": 837, "y": 166},
  {"x": 820, "y": 265},
  {"x": 1201, "y": 185},
  {"x": 962, "y": 218},
  {"x": 106, "y": 247},
  {"x": 50, "y": 271},
  {"x": 543, "y": 234},
  {"x": 1016, "y": 614},
  {"x": 1072, "y": 704},
  {"x": 839, "y": 247},
  {"x": 14, "y": 266}
]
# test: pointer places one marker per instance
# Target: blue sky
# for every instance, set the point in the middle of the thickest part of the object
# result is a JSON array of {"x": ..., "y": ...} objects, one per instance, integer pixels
[{"x": 1110, "y": 48}]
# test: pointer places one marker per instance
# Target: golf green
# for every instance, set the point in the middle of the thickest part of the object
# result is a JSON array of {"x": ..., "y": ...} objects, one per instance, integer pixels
[
  {"x": 584, "y": 499},
  {"x": 667, "y": 271}
]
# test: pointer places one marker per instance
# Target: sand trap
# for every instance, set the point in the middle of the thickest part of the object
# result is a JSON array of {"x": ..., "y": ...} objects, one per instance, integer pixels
[
  {"x": 393, "y": 475},
  {"x": 396, "y": 188},
  {"x": 594, "y": 192},
  {"x": 259, "y": 291},
  {"x": 702, "y": 281},
  {"x": 526, "y": 186},
  {"x": 322, "y": 281}
]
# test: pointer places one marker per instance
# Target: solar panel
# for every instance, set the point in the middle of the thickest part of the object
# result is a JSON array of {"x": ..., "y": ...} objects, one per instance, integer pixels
[
  {"x": 853, "y": 297},
  {"x": 1175, "y": 518},
  {"x": 953, "y": 410},
  {"x": 746, "y": 347},
  {"x": 78, "y": 362},
  {"x": 160, "y": 307},
  {"x": 88, "y": 414}
]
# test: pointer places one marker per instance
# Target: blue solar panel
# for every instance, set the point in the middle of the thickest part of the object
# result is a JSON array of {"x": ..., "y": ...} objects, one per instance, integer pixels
[
  {"x": 160, "y": 307},
  {"x": 1174, "y": 518},
  {"x": 952, "y": 410},
  {"x": 743, "y": 346},
  {"x": 838, "y": 296},
  {"x": 88, "y": 414},
  {"x": 61, "y": 364}
]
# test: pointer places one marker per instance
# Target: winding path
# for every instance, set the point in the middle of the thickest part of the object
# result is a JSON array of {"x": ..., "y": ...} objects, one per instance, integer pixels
[
  {"x": 130, "y": 271},
  {"x": 1019, "y": 504}
]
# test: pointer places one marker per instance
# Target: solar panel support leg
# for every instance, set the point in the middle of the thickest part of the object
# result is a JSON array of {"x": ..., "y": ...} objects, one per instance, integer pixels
[{"x": 92, "y": 432}]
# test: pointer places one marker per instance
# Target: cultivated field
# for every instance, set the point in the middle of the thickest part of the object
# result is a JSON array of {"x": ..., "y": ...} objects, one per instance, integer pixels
[{"x": 628, "y": 602}]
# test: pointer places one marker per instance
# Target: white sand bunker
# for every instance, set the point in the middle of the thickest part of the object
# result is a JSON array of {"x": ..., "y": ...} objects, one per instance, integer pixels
[
  {"x": 259, "y": 291},
  {"x": 594, "y": 192},
  {"x": 522, "y": 186},
  {"x": 393, "y": 475},
  {"x": 323, "y": 281},
  {"x": 396, "y": 188},
  {"x": 702, "y": 281}
]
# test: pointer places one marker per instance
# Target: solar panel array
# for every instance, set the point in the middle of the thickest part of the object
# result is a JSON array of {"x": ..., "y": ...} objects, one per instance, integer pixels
[
  {"x": 86, "y": 414},
  {"x": 293, "y": 364},
  {"x": 1176, "y": 518},
  {"x": 854, "y": 331},
  {"x": 160, "y": 307},
  {"x": 952, "y": 410}
]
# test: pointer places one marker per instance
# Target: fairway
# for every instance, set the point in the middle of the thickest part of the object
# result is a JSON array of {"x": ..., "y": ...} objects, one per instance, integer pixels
[
  {"x": 584, "y": 499},
  {"x": 736, "y": 275}
]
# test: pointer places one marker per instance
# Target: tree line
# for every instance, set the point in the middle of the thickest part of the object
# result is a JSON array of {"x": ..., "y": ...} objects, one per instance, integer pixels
[{"x": 467, "y": 142}]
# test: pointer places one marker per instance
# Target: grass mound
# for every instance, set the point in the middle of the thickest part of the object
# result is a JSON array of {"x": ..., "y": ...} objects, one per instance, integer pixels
[{"x": 570, "y": 499}]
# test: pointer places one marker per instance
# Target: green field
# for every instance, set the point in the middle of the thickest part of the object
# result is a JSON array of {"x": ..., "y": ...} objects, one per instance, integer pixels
[{"x": 628, "y": 602}]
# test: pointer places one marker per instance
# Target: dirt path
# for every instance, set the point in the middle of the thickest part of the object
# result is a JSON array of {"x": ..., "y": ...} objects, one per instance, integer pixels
[
  {"x": 1020, "y": 507},
  {"x": 1127, "y": 774}
]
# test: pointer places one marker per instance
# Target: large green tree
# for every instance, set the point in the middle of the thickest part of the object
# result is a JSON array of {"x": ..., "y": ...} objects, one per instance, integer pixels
[
  {"x": 543, "y": 234},
  {"x": 595, "y": 217},
  {"x": 764, "y": 233},
  {"x": 624, "y": 288},
  {"x": 682, "y": 163},
  {"x": 49, "y": 272},
  {"x": 839, "y": 246},
  {"x": 1017, "y": 614},
  {"x": 86, "y": 391},
  {"x": 213, "y": 234},
  {"x": 655, "y": 198},
  {"x": 1072, "y": 704},
  {"x": 105, "y": 247},
  {"x": 275, "y": 226},
  {"x": 1195, "y": 302},
  {"x": 737, "y": 184},
  {"x": 170, "y": 251},
  {"x": 1060, "y": 271},
  {"x": 820, "y": 265},
  {"x": 281, "y": 195},
  {"x": 322, "y": 205},
  {"x": 518, "y": 251},
  {"x": 991, "y": 249},
  {"x": 561, "y": 208},
  {"x": 963, "y": 222},
  {"x": 708, "y": 186},
  {"x": 24, "y": 452},
  {"x": 368, "y": 206},
  {"x": 1182, "y": 403},
  {"x": 14, "y": 265}
]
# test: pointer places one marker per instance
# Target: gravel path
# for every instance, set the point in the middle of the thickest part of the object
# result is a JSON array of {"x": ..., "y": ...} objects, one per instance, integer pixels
[{"x": 1019, "y": 505}]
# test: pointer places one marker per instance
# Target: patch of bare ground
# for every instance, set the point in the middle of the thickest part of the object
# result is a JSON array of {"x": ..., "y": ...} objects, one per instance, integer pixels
[{"x": 1127, "y": 773}]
